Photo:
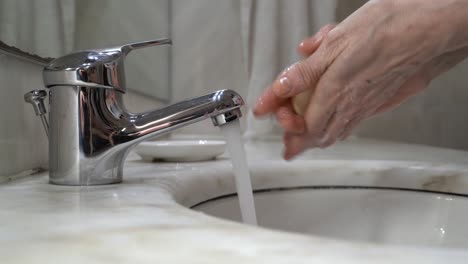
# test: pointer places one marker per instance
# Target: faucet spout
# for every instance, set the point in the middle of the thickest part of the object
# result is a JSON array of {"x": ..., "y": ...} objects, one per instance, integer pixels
[
  {"x": 221, "y": 106},
  {"x": 91, "y": 132}
]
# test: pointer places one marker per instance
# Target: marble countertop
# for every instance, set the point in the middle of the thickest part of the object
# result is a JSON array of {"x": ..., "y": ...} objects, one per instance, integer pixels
[{"x": 146, "y": 220}]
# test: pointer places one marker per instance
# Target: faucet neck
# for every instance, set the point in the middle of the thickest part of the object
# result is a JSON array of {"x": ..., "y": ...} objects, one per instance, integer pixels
[{"x": 91, "y": 132}]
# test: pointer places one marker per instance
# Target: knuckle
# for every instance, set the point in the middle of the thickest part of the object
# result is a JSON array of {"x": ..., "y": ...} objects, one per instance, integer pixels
[
  {"x": 334, "y": 43},
  {"x": 332, "y": 38},
  {"x": 329, "y": 26},
  {"x": 305, "y": 74},
  {"x": 325, "y": 30}
]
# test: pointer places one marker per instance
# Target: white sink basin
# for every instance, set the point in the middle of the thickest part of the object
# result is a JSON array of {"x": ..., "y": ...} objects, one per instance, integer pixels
[{"x": 378, "y": 215}]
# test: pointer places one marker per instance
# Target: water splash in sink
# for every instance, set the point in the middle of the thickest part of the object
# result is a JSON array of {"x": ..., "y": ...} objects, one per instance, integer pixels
[{"x": 232, "y": 133}]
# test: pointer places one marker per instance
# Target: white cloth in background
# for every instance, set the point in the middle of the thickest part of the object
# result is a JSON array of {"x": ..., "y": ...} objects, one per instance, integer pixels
[{"x": 43, "y": 27}]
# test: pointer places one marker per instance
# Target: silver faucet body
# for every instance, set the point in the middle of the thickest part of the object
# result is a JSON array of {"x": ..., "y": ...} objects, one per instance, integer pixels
[{"x": 91, "y": 132}]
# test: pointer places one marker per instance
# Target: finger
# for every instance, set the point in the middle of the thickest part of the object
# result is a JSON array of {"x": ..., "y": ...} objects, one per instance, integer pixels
[
  {"x": 300, "y": 76},
  {"x": 372, "y": 106},
  {"x": 321, "y": 108},
  {"x": 422, "y": 79},
  {"x": 311, "y": 44},
  {"x": 446, "y": 62},
  {"x": 346, "y": 133},
  {"x": 295, "y": 79},
  {"x": 388, "y": 106},
  {"x": 307, "y": 73},
  {"x": 335, "y": 128},
  {"x": 289, "y": 120},
  {"x": 294, "y": 145},
  {"x": 350, "y": 127},
  {"x": 410, "y": 88},
  {"x": 268, "y": 103},
  {"x": 357, "y": 119},
  {"x": 288, "y": 83}
]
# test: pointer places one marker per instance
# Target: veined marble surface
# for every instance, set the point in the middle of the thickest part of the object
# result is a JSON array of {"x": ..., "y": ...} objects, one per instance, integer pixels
[{"x": 146, "y": 220}]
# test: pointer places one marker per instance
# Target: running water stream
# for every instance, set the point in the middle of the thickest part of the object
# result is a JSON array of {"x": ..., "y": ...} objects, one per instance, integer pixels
[{"x": 235, "y": 145}]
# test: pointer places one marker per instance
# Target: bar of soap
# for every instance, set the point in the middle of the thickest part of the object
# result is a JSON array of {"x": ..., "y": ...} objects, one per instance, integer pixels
[{"x": 301, "y": 101}]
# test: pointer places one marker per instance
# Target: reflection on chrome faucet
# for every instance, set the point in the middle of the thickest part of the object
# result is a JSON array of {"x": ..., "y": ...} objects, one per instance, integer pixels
[{"x": 91, "y": 132}]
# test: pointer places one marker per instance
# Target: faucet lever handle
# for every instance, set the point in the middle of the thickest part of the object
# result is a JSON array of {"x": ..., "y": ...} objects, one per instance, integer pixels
[
  {"x": 127, "y": 48},
  {"x": 100, "y": 68}
]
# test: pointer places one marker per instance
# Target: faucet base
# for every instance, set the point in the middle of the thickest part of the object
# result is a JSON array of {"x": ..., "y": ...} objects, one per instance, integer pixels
[
  {"x": 90, "y": 183},
  {"x": 91, "y": 175},
  {"x": 108, "y": 170}
]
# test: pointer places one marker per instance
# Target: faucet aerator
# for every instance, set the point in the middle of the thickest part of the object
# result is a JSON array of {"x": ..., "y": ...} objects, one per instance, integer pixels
[{"x": 227, "y": 117}]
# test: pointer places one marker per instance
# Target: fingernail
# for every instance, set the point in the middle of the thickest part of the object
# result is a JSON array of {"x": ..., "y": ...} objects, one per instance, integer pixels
[
  {"x": 302, "y": 44},
  {"x": 258, "y": 104},
  {"x": 257, "y": 113},
  {"x": 283, "y": 88}
]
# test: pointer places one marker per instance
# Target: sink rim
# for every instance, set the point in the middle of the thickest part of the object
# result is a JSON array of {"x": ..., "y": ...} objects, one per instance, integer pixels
[
  {"x": 210, "y": 182},
  {"x": 425, "y": 176},
  {"x": 329, "y": 187},
  {"x": 275, "y": 226}
]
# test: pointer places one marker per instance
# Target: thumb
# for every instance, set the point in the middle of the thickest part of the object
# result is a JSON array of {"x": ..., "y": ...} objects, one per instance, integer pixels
[
  {"x": 299, "y": 77},
  {"x": 309, "y": 45}
]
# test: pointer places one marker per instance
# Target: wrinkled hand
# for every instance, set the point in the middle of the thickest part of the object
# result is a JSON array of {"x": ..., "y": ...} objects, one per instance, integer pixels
[{"x": 378, "y": 57}]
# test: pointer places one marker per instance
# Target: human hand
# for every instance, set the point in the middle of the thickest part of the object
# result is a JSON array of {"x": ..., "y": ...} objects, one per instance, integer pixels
[
  {"x": 368, "y": 64},
  {"x": 282, "y": 107}
]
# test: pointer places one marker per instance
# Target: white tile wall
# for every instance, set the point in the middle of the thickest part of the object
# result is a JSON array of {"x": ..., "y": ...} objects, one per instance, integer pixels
[{"x": 23, "y": 143}]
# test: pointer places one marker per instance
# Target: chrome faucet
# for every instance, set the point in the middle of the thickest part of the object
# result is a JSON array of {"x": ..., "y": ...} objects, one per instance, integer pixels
[{"x": 91, "y": 132}]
